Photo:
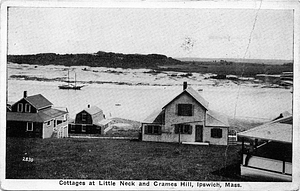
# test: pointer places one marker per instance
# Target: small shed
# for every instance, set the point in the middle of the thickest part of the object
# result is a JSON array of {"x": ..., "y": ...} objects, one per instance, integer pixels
[{"x": 90, "y": 120}]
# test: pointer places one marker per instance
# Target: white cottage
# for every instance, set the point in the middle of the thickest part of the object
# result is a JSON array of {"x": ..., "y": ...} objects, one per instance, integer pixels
[
  {"x": 270, "y": 154},
  {"x": 186, "y": 119}
]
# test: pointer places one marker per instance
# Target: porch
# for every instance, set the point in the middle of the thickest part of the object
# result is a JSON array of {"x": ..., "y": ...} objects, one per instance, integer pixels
[{"x": 268, "y": 161}]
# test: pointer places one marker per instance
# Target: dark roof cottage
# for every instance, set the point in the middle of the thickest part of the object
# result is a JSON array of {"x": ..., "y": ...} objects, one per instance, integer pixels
[{"x": 33, "y": 116}]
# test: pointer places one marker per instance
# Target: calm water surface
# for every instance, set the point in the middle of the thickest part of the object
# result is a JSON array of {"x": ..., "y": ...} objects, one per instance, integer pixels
[{"x": 137, "y": 102}]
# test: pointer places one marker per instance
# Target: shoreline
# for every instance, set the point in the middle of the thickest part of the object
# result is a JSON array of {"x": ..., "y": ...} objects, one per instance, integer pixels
[
  {"x": 132, "y": 77},
  {"x": 135, "y": 94}
]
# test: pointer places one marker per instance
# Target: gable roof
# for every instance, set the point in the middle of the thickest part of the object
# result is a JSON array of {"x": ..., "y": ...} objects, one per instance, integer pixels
[
  {"x": 276, "y": 130},
  {"x": 103, "y": 122},
  {"x": 214, "y": 118},
  {"x": 95, "y": 112},
  {"x": 190, "y": 91},
  {"x": 155, "y": 117},
  {"x": 92, "y": 110},
  {"x": 285, "y": 117},
  {"x": 41, "y": 116},
  {"x": 38, "y": 101}
]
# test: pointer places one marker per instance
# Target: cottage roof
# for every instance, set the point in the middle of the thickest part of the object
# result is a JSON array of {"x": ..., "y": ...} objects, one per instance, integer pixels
[
  {"x": 276, "y": 130},
  {"x": 41, "y": 116},
  {"x": 155, "y": 117},
  {"x": 103, "y": 122},
  {"x": 190, "y": 91},
  {"x": 92, "y": 110},
  {"x": 52, "y": 112},
  {"x": 214, "y": 118},
  {"x": 284, "y": 117},
  {"x": 38, "y": 101}
]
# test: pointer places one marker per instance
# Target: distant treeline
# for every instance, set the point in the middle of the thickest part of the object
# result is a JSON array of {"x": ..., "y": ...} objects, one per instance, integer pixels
[
  {"x": 156, "y": 62},
  {"x": 99, "y": 59}
]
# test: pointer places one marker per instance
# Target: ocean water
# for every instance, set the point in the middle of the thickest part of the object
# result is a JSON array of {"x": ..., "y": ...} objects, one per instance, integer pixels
[{"x": 136, "y": 102}]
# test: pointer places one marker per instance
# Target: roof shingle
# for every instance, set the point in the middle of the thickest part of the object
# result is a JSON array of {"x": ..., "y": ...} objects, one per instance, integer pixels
[
  {"x": 38, "y": 101},
  {"x": 41, "y": 116},
  {"x": 93, "y": 110},
  {"x": 216, "y": 119},
  {"x": 194, "y": 95}
]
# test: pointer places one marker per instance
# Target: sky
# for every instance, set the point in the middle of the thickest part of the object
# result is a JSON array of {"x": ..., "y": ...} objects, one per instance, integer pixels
[{"x": 200, "y": 33}]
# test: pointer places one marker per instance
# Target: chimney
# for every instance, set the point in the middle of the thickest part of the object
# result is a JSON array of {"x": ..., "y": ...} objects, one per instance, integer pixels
[
  {"x": 184, "y": 85},
  {"x": 25, "y": 94},
  {"x": 89, "y": 106}
]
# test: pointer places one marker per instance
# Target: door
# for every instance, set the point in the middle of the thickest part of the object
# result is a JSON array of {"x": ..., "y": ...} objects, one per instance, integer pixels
[{"x": 199, "y": 133}]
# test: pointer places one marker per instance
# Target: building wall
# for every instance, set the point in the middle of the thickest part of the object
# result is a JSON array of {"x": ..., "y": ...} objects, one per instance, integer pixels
[
  {"x": 63, "y": 126},
  {"x": 54, "y": 130},
  {"x": 23, "y": 101},
  {"x": 170, "y": 135},
  {"x": 215, "y": 141},
  {"x": 19, "y": 129},
  {"x": 164, "y": 137},
  {"x": 78, "y": 118},
  {"x": 172, "y": 118},
  {"x": 90, "y": 129},
  {"x": 48, "y": 129}
]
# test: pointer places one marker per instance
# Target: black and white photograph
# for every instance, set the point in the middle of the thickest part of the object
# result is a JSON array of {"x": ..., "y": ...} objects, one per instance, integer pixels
[{"x": 149, "y": 95}]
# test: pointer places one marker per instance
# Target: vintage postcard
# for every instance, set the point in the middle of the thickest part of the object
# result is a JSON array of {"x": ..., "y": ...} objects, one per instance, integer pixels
[{"x": 147, "y": 95}]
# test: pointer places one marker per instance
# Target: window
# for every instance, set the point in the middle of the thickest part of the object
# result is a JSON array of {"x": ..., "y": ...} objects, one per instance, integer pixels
[
  {"x": 183, "y": 129},
  {"x": 83, "y": 117},
  {"x": 153, "y": 129},
  {"x": 185, "y": 109},
  {"x": 49, "y": 123},
  {"x": 83, "y": 128},
  {"x": 54, "y": 122},
  {"x": 72, "y": 127},
  {"x": 20, "y": 107},
  {"x": 59, "y": 122},
  {"x": 29, "y": 126},
  {"x": 27, "y": 108},
  {"x": 216, "y": 133}
]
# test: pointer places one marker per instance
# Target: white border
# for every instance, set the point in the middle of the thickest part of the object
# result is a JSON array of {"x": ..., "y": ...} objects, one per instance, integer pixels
[{"x": 216, "y": 4}]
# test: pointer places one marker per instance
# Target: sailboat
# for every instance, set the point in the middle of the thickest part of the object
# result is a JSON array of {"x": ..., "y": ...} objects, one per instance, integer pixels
[{"x": 70, "y": 85}]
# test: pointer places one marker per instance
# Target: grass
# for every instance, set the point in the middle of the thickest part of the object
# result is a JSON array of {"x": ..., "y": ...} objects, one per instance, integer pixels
[{"x": 71, "y": 158}]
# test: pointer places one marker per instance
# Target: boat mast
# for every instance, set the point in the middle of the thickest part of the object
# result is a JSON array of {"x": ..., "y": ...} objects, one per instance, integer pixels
[
  {"x": 68, "y": 79},
  {"x": 75, "y": 79}
]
